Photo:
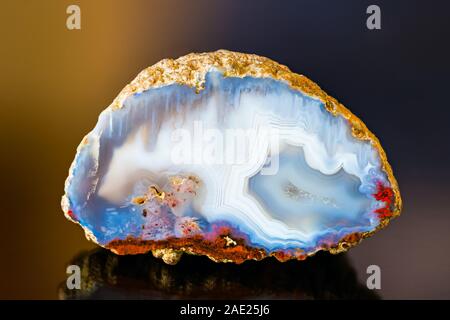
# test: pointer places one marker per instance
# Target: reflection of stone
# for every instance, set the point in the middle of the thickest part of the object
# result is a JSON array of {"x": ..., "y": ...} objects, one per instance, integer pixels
[
  {"x": 169, "y": 167},
  {"x": 108, "y": 276}
]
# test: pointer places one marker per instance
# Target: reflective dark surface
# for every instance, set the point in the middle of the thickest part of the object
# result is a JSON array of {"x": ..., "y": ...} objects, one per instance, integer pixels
[{"x": 108, "y": 276}]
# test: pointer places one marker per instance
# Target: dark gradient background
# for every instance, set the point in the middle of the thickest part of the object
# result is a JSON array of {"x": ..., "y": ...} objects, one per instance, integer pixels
[{"x": 55, "y": 82}]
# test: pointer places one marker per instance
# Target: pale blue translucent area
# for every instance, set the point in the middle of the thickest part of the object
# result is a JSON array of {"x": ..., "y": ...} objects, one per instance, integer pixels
[
  {"x": 338, "y": 203},
  {"x": 307, "y": 200}
]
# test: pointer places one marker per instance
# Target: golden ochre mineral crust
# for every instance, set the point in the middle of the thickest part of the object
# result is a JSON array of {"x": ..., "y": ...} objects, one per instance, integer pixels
[{"x": 310, "y": 176}]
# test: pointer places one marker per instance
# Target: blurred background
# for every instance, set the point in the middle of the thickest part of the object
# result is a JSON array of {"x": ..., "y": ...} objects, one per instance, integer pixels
[{"x": 54, "y": 83}]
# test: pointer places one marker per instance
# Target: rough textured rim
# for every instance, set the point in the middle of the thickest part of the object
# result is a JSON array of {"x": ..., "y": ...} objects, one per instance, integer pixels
[{"x": 191, "y": 70}]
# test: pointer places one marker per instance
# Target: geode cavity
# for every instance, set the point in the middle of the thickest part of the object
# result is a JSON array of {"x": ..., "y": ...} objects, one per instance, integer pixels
[{"x": 232, "y": 156}]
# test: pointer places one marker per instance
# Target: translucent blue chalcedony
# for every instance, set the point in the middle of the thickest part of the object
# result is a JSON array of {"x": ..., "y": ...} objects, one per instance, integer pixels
[{"x": 322, "y": 186}]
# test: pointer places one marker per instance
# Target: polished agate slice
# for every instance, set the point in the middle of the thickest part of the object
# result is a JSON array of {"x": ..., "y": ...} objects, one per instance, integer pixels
[{"x": 231, "y": 156}]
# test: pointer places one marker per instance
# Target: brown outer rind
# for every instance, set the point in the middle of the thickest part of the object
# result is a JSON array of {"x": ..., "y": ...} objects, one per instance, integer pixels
[{"x": 191, "y": 70}]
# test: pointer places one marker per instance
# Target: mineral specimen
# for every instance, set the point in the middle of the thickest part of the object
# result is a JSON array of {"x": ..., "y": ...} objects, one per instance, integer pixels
[{"x": 231, "y": 156}]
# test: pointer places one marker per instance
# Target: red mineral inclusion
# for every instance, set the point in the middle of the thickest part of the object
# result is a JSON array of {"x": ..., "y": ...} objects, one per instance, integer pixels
[
  {"x": 71, "y": 215},
  {"x": 386, "y": 195}
]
